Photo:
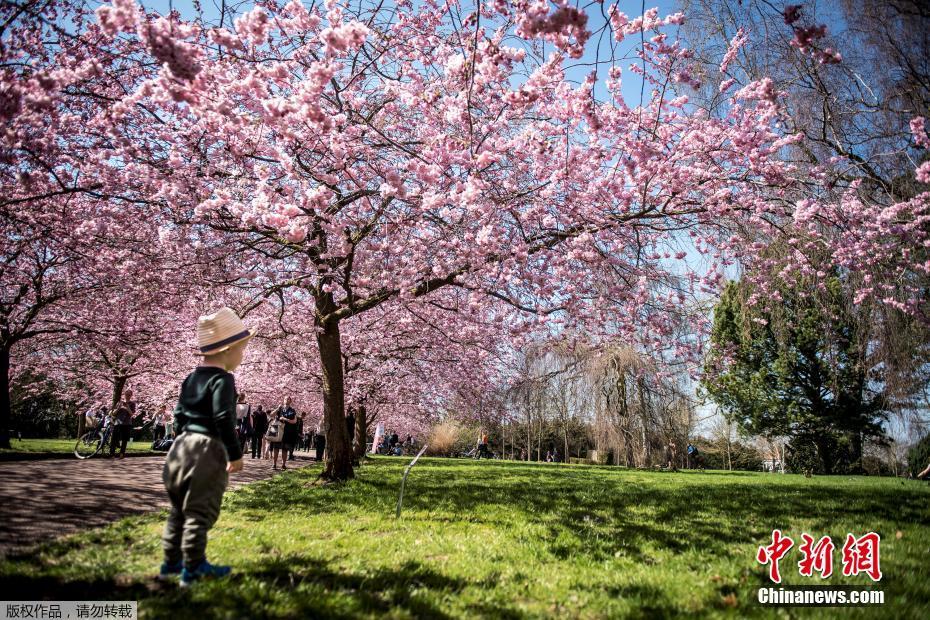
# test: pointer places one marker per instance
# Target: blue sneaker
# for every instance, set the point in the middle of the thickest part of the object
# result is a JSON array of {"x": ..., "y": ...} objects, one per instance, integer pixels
[
  {"x": 204, "y": 571},
  {"x": 169, "y": 571}
]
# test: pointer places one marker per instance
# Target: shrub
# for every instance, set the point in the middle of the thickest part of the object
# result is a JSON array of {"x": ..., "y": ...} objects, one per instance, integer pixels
[
  {"x": 443, "y": 438},
  {"x": 919, "y": 455},
  {"x": 801, "y": 457}
]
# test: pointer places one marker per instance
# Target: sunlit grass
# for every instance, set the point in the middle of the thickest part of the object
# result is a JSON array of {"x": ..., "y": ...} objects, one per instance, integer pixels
[
  {"x": 65, "y": 446},
  {"x": 503, "y": 540}
]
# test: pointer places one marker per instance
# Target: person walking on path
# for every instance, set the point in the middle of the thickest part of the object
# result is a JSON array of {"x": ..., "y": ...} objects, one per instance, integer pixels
[
  {"x": 350, "y": 425},
  {"x": 158, "y": 426},
  {"x": 288, "y": 416},
  {"x": 243, "y": 420},
  {"x": 671, "y": 453},
  {"x": 123, "y": 414},
  {"x": 350, "y": 430},
  {"x": 274, "y": 438},
  {"x": 259, "y": 428},
  {"x": 269, "y": 444},
  {"x": 298, "y": 432},
  {"x": 319, "y": 444},
  {"x": 308, "y": 444},
  {"x": 169, "y": 422},
  {"x": 207, "y": 450},
  {"x": 301, "y": 439},
  {"x": 482, "y": 447}
]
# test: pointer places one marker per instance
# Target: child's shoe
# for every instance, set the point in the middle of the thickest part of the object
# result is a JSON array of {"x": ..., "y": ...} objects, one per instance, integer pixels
[
  {"x": 204, "y": 571},
  {"x": 169, "y": 571}
]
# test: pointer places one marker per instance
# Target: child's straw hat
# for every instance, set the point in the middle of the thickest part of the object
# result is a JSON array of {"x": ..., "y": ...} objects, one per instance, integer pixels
[{"x": 218, "y": 331}]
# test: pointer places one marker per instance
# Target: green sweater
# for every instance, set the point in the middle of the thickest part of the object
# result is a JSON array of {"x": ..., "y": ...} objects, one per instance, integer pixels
[{"x": 208, "y": 405}]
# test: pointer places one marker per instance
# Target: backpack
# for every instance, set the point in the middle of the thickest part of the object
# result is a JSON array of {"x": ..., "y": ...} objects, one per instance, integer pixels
[{"x": 275, "y": 431}]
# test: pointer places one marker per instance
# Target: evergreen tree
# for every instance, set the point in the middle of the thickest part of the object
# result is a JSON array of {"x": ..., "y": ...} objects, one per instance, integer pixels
[{"x": 782, "y": 363}]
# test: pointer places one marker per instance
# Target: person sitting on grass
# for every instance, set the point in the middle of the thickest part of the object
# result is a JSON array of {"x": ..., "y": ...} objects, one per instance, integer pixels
[
  {"x": 206, "y": 450},
  {"x": 924, "y": 473}
]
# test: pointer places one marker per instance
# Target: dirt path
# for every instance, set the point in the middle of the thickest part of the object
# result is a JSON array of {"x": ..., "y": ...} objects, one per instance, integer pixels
[{"x": 41, "y": 500}]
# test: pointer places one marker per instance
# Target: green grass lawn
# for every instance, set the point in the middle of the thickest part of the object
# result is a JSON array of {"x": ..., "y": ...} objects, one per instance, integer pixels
[
  {"x": 503, "y": 540},
  {"x": 64, "y": 446}
]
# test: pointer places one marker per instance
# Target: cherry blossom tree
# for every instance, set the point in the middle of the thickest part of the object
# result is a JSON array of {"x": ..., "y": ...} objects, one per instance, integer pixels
[
  {"x": 859, "y": 95},
  {"x": 351, "y": 160},
  {"x": 54, "y": 212},
  {"x": 365, "y": 157}
]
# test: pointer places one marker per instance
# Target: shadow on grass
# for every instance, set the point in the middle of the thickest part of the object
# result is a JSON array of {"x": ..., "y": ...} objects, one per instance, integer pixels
[
  {"x": 591, "y": 513},
  {"x": 45, "y": 587},
  {"x": 602, "y": 513},
  {"x": 294, "y": 586}
]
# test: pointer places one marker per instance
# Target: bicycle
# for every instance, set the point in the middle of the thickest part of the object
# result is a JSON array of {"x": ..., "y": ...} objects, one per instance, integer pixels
[
  {"x": 93, "y": 441},
  {"x": 476, "y": 454}
]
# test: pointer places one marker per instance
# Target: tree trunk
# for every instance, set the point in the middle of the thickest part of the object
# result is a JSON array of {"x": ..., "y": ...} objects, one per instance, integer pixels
[
  {"x": 5, "y": 416},
  {"x": 565, "y": 438},
  {"x": 856, "y": 460},
  {"x": 644, "y": 412},
  {"x": 338, "y": 462},
  {"x": 539, "y": 442},
  {"x": 513, "y": 441},
  {"x": 529, "y": 433},
  {"x": 119, "y": 384},
  {"x": 825, "y": 453},
  {"x": 361, "y": 433},
  {"x": 729, "y": 457}
]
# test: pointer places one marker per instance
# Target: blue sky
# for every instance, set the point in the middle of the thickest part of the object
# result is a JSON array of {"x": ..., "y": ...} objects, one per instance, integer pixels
[{"x": 577, "y": 71}]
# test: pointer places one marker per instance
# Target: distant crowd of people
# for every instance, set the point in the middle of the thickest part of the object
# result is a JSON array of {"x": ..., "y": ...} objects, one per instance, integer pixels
[
  {"x": 121, "y": 418},
  {"x": 271, "y": 433},
  {"x": 391, "y": 445}
]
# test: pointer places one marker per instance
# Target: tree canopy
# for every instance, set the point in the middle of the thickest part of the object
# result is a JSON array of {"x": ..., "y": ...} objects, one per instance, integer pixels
[{"x": 398, "y": 196}]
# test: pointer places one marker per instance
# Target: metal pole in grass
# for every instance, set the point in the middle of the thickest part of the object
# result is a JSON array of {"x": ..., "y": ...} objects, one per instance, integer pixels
[{"x": 403, "y": 481}]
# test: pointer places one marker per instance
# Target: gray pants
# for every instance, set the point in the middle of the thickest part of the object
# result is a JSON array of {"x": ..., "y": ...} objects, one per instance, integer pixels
[{"x": 195, "y": 477}]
